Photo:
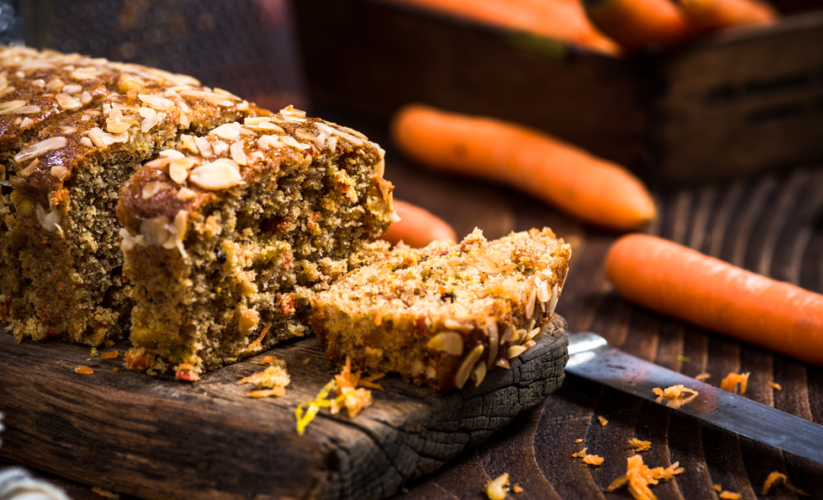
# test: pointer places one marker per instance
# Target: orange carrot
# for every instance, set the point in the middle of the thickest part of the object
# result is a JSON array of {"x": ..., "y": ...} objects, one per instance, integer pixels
[
  {"x": 717, "y": 14},
  {"x": 559, "y": 19},
  {"x": 583, "y": 185},
  {"x": 680, "y": 282},
  {"x": 417, "y": 227},
  {"x": 637, "y": 23}
]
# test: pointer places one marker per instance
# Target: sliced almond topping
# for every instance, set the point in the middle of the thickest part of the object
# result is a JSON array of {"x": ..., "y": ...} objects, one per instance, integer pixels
[
  {"x": 72, "y": 89},
  {"x": 26, "y": 122},
  {"x": 226, "y": 131},
  {"x": 491, "y": 330},
  {"x": 41, "y": 147},
  {"x": 204, "y": 147},
  {"x": 30, "y": 168},
  {"x": 48, "y": 221},
  {"x": 467, "y": 366},
  {"x": 187, "y": 142},
  {"x": 185, "y": 194},
  {"x": 553, "y": 300},
  {"x": 29, "y": 110},
  {"x": 479, "y": 373},
  {"x": 103, "y": 139},
  {"x": 217, "y": 99},
  {"x": 10, "y": 107},
  {"x": 515, "y": 351},
  {"x": 68, "y": 130},
  {"x": 59, "y": 172},
  {"x": 453, "y": 324},
  {"x": 257, "y": 120},
  {"x": 67, "y": 102},
  {"x": 270, "y": 141},
  {"x": 291, "y": 141},
  {"x": 150, "y": 121},
  {"x": 152, "y": 188},
  {"x": 179, "y": 169},
  {"x": 55, "y": 84},
  {"x": 237, "y": 153},
  {"x": 185, "y": 119},
  {"x": 448, "y": 342},
  {"x": 85, "y": 97},
  {"x": 172, "y": 153},
  {"x": 530, "y": 304},
  {"x": 156, "y": 101},
  {"x": 306, "y": 136},
  {"x": 86, "y": 142},
  {"x": 217, "y": 175},
  {"x": 219, "y": 147},
  {"x": 291, "y": 111},
  {"x": 543, "y": 294},
  {"x": 294, "y": 119}
]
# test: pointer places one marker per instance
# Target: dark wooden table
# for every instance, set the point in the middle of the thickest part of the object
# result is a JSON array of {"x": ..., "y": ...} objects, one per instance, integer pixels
[{"x": 771, "y": 224}]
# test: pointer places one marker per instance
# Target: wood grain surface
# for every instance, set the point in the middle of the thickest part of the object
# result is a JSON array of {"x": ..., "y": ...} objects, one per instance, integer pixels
[{"x": 161, "y": 438}]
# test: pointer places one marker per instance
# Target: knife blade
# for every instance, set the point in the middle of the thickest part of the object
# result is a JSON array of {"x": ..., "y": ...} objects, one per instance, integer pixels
[{"x": 591, "y": 357}]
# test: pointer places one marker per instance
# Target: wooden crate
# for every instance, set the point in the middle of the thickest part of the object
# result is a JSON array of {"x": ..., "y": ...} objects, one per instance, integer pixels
[{"x": 727, "y": 105}]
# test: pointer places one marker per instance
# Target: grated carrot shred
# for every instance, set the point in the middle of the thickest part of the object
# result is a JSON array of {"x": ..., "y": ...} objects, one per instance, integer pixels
[
  {"x": 675, "y": 395},
  {"x": 495, "y": 489},
  {"x": 640, "y": 445},
  {"x": 580, "y": 454},
  {"x": 351, "y": 395},
  {"x": 110, "y": 355},
  {"x": 728, "y": 495},
  {"x": 267, "y": 360},
  {"x": 703, "y": 376},
  {"x": 517, "y": 488},
  {"x": 306, "y": 412},
  {"x": 593, "y": 460},
  {"x": 776, "y": 477},
  {"x": 717, "y": 487},
  {"x": 578, "y": 441},
  {"x": 83, "y": 370},
  {"x": 260, "y": 337},
  {"x": 775, "y": 385},
  {"x": 639, "y": 477},
  {"x": 732, "y": 379},
  {"x": 603, "y": 420}
]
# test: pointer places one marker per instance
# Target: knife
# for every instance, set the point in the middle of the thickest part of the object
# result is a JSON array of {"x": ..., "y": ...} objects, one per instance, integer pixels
[{"x": 592, "y": 358}]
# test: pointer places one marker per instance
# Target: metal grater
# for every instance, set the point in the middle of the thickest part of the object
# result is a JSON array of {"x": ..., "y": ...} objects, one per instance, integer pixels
[{"x": 243, "y": 46}]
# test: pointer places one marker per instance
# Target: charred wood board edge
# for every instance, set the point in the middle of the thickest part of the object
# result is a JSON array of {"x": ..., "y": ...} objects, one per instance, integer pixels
[{"x": 159, "y": 438}]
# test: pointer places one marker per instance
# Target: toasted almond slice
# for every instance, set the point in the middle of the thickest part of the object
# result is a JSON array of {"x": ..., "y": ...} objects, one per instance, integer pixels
[
  {"x": 467, "y": 366},
  {"x": 448, "y": 342}
]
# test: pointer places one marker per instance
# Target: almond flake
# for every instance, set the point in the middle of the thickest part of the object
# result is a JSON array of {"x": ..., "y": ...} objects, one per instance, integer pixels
[
  {"x": 227, "y": 131},
  {"x": 185, "y": 194},
  {"x": 30, "y": 168},
  {"x": 204, "y": 146},
  {"x": 156, "y": 101},
  {"x": 291, "y": 141},
  {"x": 152, "y": 188},
  {"x": 172, "y": 153},
  {"x": 237, "y": 153},
  {"x": 39, "y": 148},
  {"x": 179, "y": 169},
  {"x": 217, "y": 175},
  {"x": 270, "y": 141},
  {"x": 59, "y": 172},
  {"x": 72, "y": 89},
  {"x": 10, "y": 107},
  {"x": 26, "y": 122},
  {"x": 68, "y": 130},
  {"x": 29, "y": 110}
]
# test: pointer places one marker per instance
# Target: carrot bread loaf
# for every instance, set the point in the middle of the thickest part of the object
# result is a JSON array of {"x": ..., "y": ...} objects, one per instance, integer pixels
[
  {"x": 72, "y": 131},
  {"x": 229, "y": 235},
  {"x": 447, "y": 312}
]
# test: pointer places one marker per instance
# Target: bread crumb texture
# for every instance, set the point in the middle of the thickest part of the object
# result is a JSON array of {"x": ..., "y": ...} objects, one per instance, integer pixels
[{"x": 446, "y": 313}]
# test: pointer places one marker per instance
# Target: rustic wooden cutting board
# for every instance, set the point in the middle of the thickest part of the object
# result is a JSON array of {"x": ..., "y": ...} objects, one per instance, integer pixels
[{"x": 161, "y": 438}]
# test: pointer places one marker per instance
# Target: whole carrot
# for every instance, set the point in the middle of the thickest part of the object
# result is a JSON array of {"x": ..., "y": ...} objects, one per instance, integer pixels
[
  {"x": 678, "y": 281},
  {"x": 637, "y": 23},
  {"x": 583, "y": 185},
  {"x": 717, "y": 14},
  {"x": 417, "y": 227},
  {"x": 559, "y": 19}
]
